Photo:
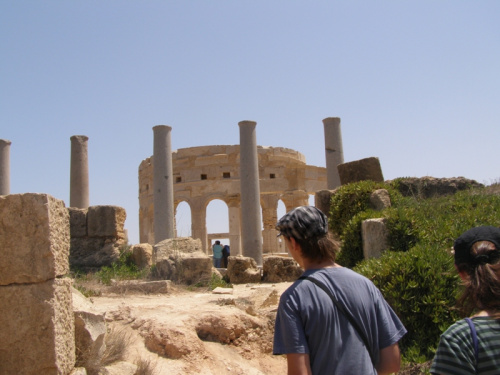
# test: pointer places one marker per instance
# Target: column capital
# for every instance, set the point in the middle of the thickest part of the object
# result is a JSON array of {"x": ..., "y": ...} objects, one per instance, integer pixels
[
  {"x": 157, "y": 128},
  {"x": 247, "y": 123},
  {"x": 331, "y": 121},
  {"x": 5, "y": 142},
  {"x": 79, "y": 138}
]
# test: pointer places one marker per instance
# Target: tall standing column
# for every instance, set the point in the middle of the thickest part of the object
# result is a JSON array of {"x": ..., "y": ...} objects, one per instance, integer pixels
[
  {"x": 333, "y": 151},
  {"x": 79, "y": 174},
  {"x": 198, "y": 222},
  {"x": 234, "y": 226},
  {"x": 163, "y": 186},
  {"x": 251, "y": 235},
  {"x": 5, "y": 166}
]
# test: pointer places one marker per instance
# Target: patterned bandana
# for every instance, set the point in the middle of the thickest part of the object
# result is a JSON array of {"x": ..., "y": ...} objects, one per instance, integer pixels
[{"x": 302, "y": 223}]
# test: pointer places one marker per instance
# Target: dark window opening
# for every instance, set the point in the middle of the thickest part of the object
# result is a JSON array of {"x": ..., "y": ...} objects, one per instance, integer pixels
[
  {"x": 203, "y": 176},
  {"x": 178, "y": 179},
  {"x": 226, "y": 175},
  {"x": 272, "y": 175}
]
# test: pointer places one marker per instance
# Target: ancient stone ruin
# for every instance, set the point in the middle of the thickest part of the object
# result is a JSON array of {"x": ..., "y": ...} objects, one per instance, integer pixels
[
  {"x": 97, "y": 236},
  {"x": 201, "y": 174},
  {"x": 37, "y": 335}
]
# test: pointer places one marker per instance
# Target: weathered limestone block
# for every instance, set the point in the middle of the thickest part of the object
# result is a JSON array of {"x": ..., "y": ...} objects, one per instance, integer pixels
[
  {"x": 34, "y": 238},
  {"x": 322, "y": 200},
  {"x": 77, "y": 222},
  {"x": 142, "y": 287},
  {"x": 360, "y": 170},
  {"x": 106, "y": 221},
  {"x": 242, "y": 270},
  {"x": 380, "y": 199},
  {"x": 181, "y": 260},
  {"x": 375, "y": 237},
  {"x": 90, "y": 329},
  {"x": 175, "y": 246},
  {"x": 142, "y": 255},
  {"x": 38, "y": 333},
  {"x": 279, "y": 269},
  {"x": 88, "y": 253}
]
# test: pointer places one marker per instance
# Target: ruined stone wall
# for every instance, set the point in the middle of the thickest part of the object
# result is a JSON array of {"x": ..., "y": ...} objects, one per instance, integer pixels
[
  {"x": 36, "y": 316},
  {"x": 204, "y": 173},
  {"x": 97, "y": 234}
]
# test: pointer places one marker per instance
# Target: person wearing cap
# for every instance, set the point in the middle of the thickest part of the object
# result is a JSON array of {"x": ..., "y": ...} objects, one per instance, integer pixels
[
  {"x": 346, "y": 328},
  {"x": 472, "y": 345}
]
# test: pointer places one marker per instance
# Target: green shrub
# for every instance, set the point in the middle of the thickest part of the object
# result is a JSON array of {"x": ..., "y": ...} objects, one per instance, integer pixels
[
  {"x": 421, "y": 287},
  {"x": 351, "y": 250},
  {"x": 352, "y": 199},
  {"x": 419, "y": 280}
]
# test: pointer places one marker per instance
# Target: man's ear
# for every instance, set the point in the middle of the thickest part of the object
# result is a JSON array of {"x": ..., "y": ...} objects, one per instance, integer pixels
[{"x": 293, "y": 243}]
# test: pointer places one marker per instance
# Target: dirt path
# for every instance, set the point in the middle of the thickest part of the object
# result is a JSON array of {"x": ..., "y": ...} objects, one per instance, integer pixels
[{"x": 200, "y": 332}]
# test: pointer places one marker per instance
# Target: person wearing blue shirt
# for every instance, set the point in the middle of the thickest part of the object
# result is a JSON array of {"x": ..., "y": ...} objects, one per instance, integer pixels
[
  {"x": 217, "y": 250},
  {"x": 346, "y": 328}
]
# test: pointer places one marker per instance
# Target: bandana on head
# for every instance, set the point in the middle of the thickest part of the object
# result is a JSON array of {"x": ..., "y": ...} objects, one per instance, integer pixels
[{"x": 302, "y": 223}]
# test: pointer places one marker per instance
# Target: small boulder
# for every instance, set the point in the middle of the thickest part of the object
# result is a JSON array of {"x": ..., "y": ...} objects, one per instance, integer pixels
[
  {"x": 278, "y": 269},
  {"x": 181, "y": 260},
  {"x": 242, "y": 270},
  {"x": 142, "y": 255}
]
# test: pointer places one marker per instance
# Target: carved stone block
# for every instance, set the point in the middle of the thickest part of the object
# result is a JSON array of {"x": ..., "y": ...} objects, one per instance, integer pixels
[{"x": 34, "y": 238}]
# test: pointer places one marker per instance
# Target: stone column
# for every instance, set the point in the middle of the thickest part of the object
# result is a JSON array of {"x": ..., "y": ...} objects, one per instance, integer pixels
[
  {"x": 163, "y": 185},
  {"x": 294, "y": 199},
  {"x": 234, "y": 226},
  {"x": 5, "y": 166},
  {"x": 79, "y": 175},
  {"x": 333, "y": 151},
  {"x": 198, "y": 222},
  {"x": 270, "y": 217},
  {"x": 251, "y": 236}
]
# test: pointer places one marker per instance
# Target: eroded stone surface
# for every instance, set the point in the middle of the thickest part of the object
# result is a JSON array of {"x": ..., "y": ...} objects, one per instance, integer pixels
[
  {"x": 34, "y": 238},
  {"x": 37, "y": 335}
]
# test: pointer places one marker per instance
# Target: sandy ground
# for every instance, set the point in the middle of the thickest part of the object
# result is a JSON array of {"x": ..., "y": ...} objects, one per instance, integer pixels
[{"x": 198, "y": 331}]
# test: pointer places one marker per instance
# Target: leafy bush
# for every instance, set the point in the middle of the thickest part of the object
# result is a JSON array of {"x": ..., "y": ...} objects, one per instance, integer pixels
[
  {"x": 352, "y": 199},
  {"x": 421, "y": 287},
  {"x": 351, "y": 252},
  {"x": 416, "y": 275}
]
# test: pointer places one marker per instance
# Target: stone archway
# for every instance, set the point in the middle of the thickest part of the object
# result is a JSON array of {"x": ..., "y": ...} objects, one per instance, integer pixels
[{"x": 203, "y": 173}]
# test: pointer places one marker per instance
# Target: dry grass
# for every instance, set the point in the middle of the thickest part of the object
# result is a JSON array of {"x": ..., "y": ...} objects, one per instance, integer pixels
[
  {"x": 117, "y": 341},
  {"x": 145, "y": 367}
]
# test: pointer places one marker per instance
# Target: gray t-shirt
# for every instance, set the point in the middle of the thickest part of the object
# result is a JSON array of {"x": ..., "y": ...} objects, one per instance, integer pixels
[{"x": 308, "y": 322}]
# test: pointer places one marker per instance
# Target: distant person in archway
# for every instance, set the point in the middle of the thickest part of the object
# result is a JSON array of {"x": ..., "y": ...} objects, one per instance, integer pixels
[
  {"x": 217, "y": 250},
  {"x": 225, "y": 254}
]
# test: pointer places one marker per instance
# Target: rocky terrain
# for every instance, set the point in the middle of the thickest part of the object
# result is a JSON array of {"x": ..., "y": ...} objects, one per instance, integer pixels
[{"x": 196, "y": 331}]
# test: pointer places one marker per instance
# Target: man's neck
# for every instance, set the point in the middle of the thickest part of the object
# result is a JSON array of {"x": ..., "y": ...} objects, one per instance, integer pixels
[{"x": 314, "y": 265}]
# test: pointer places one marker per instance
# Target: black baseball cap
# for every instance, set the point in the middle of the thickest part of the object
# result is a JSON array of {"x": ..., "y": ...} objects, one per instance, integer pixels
[{"x": 464, "y": 243}]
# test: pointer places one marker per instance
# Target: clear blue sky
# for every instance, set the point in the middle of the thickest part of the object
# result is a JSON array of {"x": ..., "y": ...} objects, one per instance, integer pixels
[{"x": 416, "y": 84}]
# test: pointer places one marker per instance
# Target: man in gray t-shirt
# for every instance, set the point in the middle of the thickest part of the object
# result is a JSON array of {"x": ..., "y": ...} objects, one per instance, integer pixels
[{"x": 316, "y": 337}]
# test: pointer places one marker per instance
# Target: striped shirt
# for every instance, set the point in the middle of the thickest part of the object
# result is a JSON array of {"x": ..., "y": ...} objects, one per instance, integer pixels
[{"x": 455, "y": 353}]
